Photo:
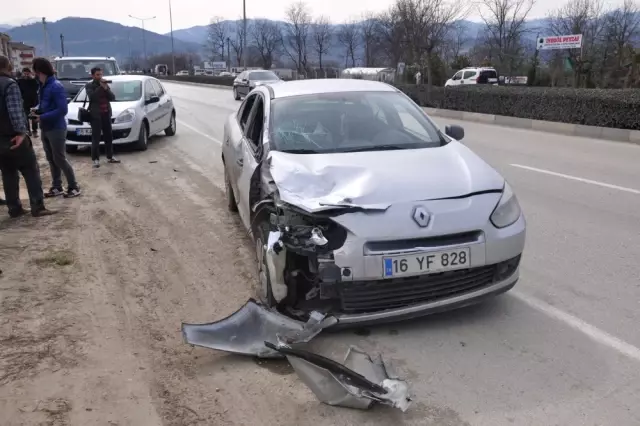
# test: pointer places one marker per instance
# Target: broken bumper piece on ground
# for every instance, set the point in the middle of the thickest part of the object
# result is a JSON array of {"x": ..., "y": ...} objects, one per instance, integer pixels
[
  {"x": 258, "y": 331},
  {"x": 358, "y": 383},
  {"x": 245, "y": 331}
]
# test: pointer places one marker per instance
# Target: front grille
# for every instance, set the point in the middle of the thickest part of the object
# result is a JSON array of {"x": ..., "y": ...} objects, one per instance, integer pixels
[
  {"x": 80, "y": 123},
  {"x": 117, "y": 134},
  {"x": 371, "y": 296}
]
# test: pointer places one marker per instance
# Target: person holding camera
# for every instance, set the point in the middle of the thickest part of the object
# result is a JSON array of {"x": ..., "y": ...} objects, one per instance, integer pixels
[
  {"x": 100, "y": 97},
  {"x": 17, "y": 156},
  {"x": 52, "y": 115},
  {"x": 29, "y": 89}
]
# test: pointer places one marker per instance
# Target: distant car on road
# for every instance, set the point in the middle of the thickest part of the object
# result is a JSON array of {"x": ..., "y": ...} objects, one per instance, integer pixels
[
  {"x": 75, "y": 71},
  {"x": 249, "y": 80},
  {"x": 142, "y": 109},
  {"x": 361, "y": 207},
  {"x": 473, "y": 75},
  {"x": 183, "y": 72}
]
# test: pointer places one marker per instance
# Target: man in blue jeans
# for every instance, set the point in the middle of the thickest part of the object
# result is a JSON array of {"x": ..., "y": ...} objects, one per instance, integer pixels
[{"x": 51, "y": 113}]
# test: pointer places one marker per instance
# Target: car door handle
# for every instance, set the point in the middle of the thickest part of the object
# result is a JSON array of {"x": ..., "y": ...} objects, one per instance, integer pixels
[{"x": 239, "y": 162}]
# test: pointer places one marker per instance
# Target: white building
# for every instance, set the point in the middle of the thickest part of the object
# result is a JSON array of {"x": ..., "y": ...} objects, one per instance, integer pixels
[
  {"x": 4, "y": 45},
  {"x": 21, "y": 55}
]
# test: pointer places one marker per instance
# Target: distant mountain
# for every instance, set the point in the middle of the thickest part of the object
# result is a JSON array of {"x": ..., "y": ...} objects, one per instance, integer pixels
[
  {"x": 5, "y": 27},
  {"x": 95, "y": 37}
]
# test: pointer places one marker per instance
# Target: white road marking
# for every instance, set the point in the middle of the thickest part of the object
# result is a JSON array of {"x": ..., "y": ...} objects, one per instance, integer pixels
[
  {"x": 579, "y": 179},
  {"x": 589, "y": 330},
  {"x": 211, "y": 138}
]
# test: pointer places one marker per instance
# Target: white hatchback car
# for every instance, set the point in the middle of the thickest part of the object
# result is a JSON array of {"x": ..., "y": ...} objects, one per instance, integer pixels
[{"x": 142, "y": 109}]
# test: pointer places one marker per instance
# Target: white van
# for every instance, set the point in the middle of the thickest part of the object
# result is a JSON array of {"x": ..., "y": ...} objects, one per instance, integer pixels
[{"x": 473, "y": 75}]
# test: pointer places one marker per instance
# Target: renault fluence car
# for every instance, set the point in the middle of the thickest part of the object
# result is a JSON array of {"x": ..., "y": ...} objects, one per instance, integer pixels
[{"x": 361, "y": 207}]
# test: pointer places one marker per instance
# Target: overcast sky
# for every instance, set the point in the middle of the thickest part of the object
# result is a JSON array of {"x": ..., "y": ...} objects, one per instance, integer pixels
[{"x": 188, "y": 13}]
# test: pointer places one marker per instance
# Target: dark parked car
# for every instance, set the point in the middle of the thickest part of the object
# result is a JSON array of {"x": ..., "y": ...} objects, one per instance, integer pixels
[{"x": 249, "y": 80}]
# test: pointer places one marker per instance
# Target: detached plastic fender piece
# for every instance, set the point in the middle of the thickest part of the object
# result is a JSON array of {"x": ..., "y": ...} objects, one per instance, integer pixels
[
  {"x": 245, "y": 331},
  {"x": 357, "y": 383}
]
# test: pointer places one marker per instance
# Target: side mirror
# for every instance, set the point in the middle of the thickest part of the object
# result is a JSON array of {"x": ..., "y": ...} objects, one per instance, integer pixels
[
  {"x": 153, "y": 100},
  {"x": 454, "y": 131}
]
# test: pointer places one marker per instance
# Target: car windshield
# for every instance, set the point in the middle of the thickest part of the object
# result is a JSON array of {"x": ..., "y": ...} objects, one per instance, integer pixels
[
  {"x": 124, "y": 91},
  {"x": 263, "y": 75},
  {"x": 350, "y": 122},
  {"x": 81, "y": 69}
]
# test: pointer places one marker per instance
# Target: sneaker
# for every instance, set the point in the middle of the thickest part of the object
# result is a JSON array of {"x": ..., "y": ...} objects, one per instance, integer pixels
[
  {"x": 113, "y": 160},
  {"x": 42, "y": 211},
  {"x": 53, "y": 192},
  {"x": 96, "y": 164},
  {"x": 72, "y": 192},
  {"x": 2, "y": 202}
]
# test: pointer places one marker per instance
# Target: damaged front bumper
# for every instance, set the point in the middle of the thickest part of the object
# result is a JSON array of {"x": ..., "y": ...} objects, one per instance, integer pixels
[{"x": 258, "y": 331}]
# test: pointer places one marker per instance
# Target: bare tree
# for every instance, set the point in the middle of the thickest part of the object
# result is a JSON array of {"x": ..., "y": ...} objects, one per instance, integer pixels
[
  {"x": 349, "y": 37},
  {"x": 391, "y": 36},
  {"x": 622, "y": 27},
  {"x": 322, "y": 34},
  {"x": 451, "y": 50},
  {"x": 370, "y": 38},
  {"x": 295, "y": 37},
  {"x": 237, "y": 41},
  {"x": 584, "y": 17},
  {"x": 266, "y": 37},
  {"x": 505, "y": 25},
  {"x": 217, "y": 33}
]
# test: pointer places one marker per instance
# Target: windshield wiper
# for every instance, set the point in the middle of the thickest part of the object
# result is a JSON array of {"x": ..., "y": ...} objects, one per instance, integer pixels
[
  {"x": 300, "y": 151},
  {"x": 374, "y": 148}
]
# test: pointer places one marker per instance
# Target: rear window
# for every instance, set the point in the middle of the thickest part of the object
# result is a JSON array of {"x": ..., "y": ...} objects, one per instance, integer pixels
[
  {"x": 81, "y": 69},
  {"x": 263, "y": 75},
  {"x": 485, "y": 75}
]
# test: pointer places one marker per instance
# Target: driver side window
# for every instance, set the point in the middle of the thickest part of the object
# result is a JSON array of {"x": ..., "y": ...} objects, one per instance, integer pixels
[
  {"x": 149, "y": 92},
  {"x": 256, "y": 123},
  {"x": 458, "y": 75},
  {"x": 245, "y": 110}
]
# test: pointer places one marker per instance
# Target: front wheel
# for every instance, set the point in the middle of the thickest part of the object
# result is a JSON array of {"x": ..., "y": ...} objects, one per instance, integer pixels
[
  {"x": 143, "y": 138},
  {"x": 236, "y": 95},
  {"x": 171, "y": 130}
]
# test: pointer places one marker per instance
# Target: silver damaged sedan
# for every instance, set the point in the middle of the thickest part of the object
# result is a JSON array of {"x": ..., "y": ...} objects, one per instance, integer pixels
[{"x": 360, "y": 207}]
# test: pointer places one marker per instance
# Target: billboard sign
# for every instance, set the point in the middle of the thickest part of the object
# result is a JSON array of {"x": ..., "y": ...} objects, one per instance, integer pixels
[
  {"x": 573, "y": 41},
  {"x": 220, "y": 65}
]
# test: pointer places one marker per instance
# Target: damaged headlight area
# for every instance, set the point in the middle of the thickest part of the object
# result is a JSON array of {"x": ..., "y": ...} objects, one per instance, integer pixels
[{"x": 299, "y": 257}]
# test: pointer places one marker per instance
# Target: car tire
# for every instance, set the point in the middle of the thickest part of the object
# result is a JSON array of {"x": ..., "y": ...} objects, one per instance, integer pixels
[
  {"x": 143, "y": 138},
  {"x": 236, "y": 95},
  {"x": 171, "y": 130},
  {"x": 265, "y": 294},
  {"x": 231, "y": 198},
  {"x": 71, "y": 149}
]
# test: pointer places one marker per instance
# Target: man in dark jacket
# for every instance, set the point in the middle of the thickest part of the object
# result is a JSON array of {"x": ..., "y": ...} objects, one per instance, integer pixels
[
  {"x": 16, "y": 150},
  {"x": 100, "y": 98},
  {"x": 29, "y": 89},
  {"x": 52, "y": 114}
]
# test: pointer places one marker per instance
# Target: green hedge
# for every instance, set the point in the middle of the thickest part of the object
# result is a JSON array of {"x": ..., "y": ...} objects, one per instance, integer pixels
[{"x": 592, "y": 107}]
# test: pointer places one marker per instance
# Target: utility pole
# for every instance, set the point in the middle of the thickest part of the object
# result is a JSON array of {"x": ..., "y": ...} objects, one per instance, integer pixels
[
  {"x": 228, "y": 55},
  {"x": 173, "y": 54},
  {"x": 144, "y": 40},
  {"x": 62, "y": 43},
  {"x": 244, "y": 37},
  {"x": 45, "y": 37}
]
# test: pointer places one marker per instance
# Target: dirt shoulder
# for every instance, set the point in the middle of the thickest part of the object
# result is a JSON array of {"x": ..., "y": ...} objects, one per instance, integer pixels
[{"x": 91, "y": 299}]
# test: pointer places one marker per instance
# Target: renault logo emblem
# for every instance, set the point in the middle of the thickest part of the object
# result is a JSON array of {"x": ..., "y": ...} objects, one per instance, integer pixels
[{"x": 421, "y": 216}]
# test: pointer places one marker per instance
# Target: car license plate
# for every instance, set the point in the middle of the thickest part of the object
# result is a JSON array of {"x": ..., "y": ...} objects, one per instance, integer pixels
[
  {"x": 83, "y": 132},
  {"x": 426, "y": 262}
]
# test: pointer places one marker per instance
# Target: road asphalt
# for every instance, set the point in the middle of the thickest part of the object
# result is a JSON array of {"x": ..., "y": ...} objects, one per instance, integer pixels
[{"x": 561, "y": 348}]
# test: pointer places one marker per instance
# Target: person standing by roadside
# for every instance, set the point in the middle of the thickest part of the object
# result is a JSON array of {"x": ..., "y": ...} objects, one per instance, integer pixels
[
  {"x": 51, "y": 113},
  {"x": 100, "y": 97},
  {"x": 29, "y": 89},
  {"x": 16, "y": 150}
]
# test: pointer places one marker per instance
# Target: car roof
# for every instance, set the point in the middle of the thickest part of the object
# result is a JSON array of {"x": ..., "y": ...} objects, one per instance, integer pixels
[
  {"x": 84, "y": 58},
  {"x": 327, "y": 85},
  {"x": 129, "y": 77}
]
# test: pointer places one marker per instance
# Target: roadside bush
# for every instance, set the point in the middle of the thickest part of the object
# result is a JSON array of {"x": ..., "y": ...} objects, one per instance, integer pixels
[
  {"x": 205, "y": 79},
  {"x": 592, "y": 107}
]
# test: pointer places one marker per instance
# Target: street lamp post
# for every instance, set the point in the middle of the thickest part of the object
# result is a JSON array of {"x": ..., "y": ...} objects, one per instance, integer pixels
[
  {"x": 144, "y": 40},
  {"x": 244, "y": 37},
  {"x": 173, "y": 53}
]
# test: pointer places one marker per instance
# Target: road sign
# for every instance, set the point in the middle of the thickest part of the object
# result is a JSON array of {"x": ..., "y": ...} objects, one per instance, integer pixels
[{"x": 573, "y": 41}]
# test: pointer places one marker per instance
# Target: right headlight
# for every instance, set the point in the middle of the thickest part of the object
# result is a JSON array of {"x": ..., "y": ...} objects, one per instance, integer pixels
[{"x": 508, "y": 209}]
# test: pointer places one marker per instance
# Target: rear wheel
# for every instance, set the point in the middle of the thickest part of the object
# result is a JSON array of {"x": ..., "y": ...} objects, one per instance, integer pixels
[
  {"x": 231, "y": 198},
  {"x": 143, "y": 138},
  {"x": 171, "y": 130}
]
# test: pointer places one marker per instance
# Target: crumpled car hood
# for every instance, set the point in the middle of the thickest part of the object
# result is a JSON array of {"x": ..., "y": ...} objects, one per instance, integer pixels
[{"x": 379, "y": 179}]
